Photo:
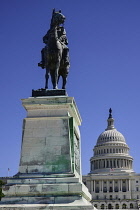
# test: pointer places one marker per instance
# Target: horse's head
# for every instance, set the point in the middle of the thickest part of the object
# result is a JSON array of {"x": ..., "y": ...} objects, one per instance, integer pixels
[{"x": 57, "y": 18}]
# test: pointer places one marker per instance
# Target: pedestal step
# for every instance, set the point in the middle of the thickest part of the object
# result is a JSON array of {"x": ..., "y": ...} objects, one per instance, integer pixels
[
  {"x": 36, "y": 180},
  {"x": 44, "y": 190},
  {"x": 42, "y": 200},
  {"x": 58, "y": 203},
  {"x": 72, "y": 206}
]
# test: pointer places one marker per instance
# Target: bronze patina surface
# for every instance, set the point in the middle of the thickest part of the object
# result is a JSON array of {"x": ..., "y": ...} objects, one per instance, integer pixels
[{"x": 55, "y": 54}]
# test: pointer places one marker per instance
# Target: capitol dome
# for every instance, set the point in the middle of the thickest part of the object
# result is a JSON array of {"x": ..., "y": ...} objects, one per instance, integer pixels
[
  {"x": 109, "y": 136},
  {"x": 111, "y": 151}
]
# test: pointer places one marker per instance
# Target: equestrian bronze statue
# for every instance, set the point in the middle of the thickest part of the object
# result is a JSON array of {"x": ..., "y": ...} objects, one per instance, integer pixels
[{"x": 55, "y": 54}]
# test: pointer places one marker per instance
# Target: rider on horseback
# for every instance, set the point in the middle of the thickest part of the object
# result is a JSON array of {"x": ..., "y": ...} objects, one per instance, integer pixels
[
  {"x": 55, "y": 54},
  {"x": 64, "y": 42}
]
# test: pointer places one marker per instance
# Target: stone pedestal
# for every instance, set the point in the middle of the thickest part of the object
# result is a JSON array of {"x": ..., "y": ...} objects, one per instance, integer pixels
[{"x": 49, "y": 174}]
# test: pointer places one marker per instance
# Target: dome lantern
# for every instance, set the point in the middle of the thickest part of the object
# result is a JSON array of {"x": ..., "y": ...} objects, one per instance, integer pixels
[{"x": 110, "y": 121}]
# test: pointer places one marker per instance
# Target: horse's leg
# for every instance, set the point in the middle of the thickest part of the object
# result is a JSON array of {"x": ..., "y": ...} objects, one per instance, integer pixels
[
  {"x": 47, "y": 78},
  {"x": 56, "y": 74},
  {"x": 52, "y": 76},
  {"x": 64, "y": 81},
  {"x": 54, "y": 80},
  {"x": 52, "y": 72},
  {"x": 58, "y": 78}
]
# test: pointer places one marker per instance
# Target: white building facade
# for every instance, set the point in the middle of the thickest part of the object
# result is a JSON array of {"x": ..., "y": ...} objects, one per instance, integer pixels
[{"x": 112, "y": 181}]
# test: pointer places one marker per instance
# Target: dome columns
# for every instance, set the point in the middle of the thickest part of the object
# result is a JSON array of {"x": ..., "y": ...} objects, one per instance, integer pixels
[{"x": 113, "y": 163}]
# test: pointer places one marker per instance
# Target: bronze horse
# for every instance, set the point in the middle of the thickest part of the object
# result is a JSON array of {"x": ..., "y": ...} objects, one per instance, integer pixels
[{"x": 55, "y": 56}]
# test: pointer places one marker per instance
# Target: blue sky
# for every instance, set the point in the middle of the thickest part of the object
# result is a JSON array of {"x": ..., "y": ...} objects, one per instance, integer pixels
[{"x": 104, "y": 43}]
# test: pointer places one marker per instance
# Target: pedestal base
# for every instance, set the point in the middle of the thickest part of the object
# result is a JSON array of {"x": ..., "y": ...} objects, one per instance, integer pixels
[
  {"x": 73, "y": 206},
  {"x": 46, "y": 193},
  {"x": 45, "y": 92}
]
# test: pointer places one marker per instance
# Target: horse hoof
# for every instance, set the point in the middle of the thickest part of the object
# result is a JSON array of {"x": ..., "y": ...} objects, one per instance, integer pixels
[{"x": 55, "y": 88}]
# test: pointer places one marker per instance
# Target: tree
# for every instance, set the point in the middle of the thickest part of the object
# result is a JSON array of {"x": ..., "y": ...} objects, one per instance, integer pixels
[{"x": 1, "y": 194}]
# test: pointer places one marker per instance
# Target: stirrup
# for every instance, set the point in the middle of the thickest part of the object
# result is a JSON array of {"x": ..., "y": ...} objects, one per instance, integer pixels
[{"x": 41, "y": 65}]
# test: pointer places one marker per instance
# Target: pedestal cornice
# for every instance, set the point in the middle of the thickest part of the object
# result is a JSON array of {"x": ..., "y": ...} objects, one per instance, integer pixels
[{"x": 49, "y": 103}]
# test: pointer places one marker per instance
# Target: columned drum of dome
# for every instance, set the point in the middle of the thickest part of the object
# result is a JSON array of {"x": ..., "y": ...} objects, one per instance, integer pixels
[{"x": 111, "y": 153}]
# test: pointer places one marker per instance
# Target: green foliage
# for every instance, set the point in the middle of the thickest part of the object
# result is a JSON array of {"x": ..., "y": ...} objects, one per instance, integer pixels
[{"x": 1, "y": 194}]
